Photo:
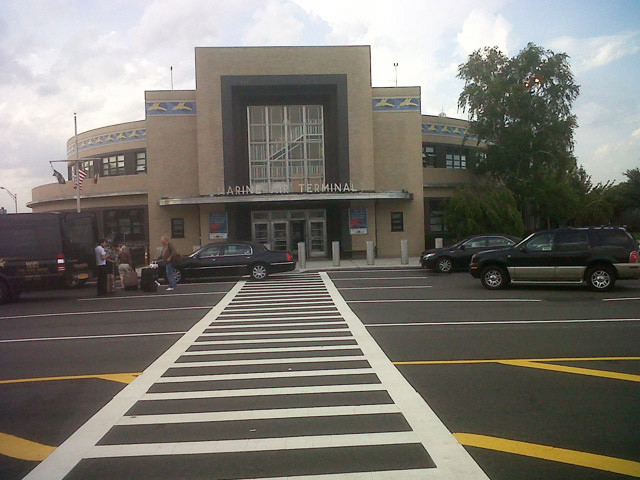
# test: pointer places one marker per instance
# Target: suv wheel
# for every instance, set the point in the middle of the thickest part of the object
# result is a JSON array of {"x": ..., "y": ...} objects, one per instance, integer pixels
[
  {"x": 494, "y": 277},
  {"x": 445, "y": 265},
  {"x": 600, "y": 278}
]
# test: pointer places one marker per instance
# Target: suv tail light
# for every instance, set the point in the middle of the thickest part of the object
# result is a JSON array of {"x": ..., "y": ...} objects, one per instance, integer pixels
[
  {"x": 62, "y": 265},
  {"x": 289, "y": 257},
  {"x": 633, "y": 257}
]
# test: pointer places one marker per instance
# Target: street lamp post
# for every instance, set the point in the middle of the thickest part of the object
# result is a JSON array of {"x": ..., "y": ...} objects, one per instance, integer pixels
[{"x": 12, "y": 195}]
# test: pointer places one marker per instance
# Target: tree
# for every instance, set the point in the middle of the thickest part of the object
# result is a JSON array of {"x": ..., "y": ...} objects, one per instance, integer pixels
[
  {"x": 626, "y": 198},
  {"x": 521, "y": 108},
  {"x": 486, "y": 207}
]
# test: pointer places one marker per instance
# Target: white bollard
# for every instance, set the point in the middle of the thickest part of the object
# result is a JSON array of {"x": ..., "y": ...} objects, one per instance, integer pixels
[
  {"x": 439, "y": 242},
  {"x": 335, "y": 251},
  {"x": 370, "y": 252},
  {"x": 404, "y": 252},
  {"x": 302, "y": 255}
]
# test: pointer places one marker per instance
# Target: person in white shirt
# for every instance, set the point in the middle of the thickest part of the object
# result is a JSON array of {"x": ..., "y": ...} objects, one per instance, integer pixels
[{"x": 101, "y": 267}]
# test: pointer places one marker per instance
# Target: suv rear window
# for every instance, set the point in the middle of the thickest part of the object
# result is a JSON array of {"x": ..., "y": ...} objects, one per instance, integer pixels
[{"x": 614, "y": 238}]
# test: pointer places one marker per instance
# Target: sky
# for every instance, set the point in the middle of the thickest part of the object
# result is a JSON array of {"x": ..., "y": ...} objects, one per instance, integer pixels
[{"x": 96, "y": 58}]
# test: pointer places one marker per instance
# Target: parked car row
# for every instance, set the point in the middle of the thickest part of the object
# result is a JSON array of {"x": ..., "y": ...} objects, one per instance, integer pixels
[{"x": 597, "y": 256}]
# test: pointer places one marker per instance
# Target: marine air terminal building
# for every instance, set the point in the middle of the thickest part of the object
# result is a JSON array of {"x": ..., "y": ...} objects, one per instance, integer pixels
[{"x": 276, "y": 144}]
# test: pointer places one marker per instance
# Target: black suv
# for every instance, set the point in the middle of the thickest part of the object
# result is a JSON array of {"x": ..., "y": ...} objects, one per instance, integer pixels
[{"x": 598, "y": 256}]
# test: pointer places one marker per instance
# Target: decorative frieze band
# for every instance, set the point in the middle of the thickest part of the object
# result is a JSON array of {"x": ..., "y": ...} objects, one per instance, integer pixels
[{"x": 131, "y": 135}]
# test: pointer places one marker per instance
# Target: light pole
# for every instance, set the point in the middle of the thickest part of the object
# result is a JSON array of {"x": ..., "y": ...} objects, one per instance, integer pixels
[{"x": 12, "y": 195}]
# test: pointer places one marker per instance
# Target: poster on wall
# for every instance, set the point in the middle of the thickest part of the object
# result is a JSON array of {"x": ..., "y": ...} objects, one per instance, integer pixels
[
  {"x": 358, "y": 221},
  {"x": 218, "y": 225}
]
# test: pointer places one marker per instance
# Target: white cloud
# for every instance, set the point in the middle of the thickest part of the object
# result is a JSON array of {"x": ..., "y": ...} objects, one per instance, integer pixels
[
  {"x": 594, "y": 52},
  {"x": 275, "y": 24},
  {"x": 483, "y": 29}
]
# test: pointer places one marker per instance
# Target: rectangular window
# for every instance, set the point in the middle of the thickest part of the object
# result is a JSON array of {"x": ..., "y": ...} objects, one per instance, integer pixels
[
  {"x": 177, "y": 228},
  {"x": 113, "y": 166},
  {"x": 428, "y": 156},
  {"x": 456, "y": 158},
  {"x": 286, "y": 147},
  {"x": 124, "y": 225},
  {"x": 87, "y": 166},
  {"x": 141, "y": 162},
  {"x": 436, "y": 216},
  {"x": 397, "y": 222}
]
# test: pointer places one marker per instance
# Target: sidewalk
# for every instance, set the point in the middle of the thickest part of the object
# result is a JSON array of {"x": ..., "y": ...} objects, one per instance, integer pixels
[{"x": 327, "y": 264}]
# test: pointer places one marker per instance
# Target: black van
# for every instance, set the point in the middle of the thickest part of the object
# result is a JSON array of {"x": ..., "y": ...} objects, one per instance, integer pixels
[{"x": 40, "y": 251}]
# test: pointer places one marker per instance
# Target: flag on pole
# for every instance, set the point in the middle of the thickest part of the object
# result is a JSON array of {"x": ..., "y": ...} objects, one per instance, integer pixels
[
  {"x": 59, "y": 177},
  {"x": 80, "y": 176}
]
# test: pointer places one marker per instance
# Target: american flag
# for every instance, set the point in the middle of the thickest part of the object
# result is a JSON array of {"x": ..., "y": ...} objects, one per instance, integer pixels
[{"x": 79, "y": 178}]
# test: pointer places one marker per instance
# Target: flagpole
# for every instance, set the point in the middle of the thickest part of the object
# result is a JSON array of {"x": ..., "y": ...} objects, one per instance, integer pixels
[{"x": 77, "y": 167}]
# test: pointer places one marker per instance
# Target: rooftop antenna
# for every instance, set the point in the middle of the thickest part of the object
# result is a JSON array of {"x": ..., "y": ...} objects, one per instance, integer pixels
[
  {"x": 171, "y": 69},
  {"x": 395, "y": 66}
]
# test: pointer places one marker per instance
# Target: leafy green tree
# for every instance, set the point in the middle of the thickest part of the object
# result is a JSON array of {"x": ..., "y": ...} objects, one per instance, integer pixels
[
  {"x": 485, "y": 207},
  {"x": 626, "y": 199},
  {"x": 521, "y": 108}
]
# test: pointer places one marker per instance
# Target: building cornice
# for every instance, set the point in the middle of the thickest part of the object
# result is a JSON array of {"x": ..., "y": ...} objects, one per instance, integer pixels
[
  {"x": 284, "y": 197},
  {"x": 86, "y": 197}
]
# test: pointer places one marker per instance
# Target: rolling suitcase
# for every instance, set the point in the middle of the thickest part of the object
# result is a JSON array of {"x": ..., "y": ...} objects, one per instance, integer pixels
[
  {"x": 130, "y": 280},
  {"x": 148, "y": 280}
]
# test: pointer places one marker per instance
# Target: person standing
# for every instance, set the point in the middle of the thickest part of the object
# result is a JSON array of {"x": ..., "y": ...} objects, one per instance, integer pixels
[
  {"x": 101, "y": 266},
  {"x": 124, "y": 263},
  {"x": 168, "y": 254}
]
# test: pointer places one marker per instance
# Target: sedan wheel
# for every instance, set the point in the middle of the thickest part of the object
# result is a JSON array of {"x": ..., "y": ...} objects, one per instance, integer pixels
[
  {"x": 600, "y": 279},
  {"x": 445, "y": 265},
  {"x": 494, "y": 278},
  {"x": 259, "y": 271}
]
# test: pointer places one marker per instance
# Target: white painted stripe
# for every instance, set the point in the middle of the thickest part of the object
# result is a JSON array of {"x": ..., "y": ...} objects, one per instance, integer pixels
[
  {"x": 421, "y": 277},
  {"x": 435, "y": 300},
  {"x": 413, "y": 474},
  {"x": 275, "y": 309},
  {"x": 106, "y": 312},
  {"x": 294, "y": 284},
  {"x": 90, "y": 337},
  {"x": 625, "y": 299},
  {"x": 259, "y": 320},
  {"x": 302, "y": 304},
  {"x": 372, "y": 269},
  {"x": 258, "y": 414},
  {"x": 280, "y": 299},
  {"x": 504, "y": 322},
  {"x": 279, "y": 340},
  {"x": 57, "y": 465},
  {"x": 271, "y": 350},
  {"x": 130, "y": 297},
  {"x": 259, "y": 375},
  {"x": 276, "y": 332},
  {"x": 269, "y": 361},
  {"x": 263, "y": 326},
  {"x": 252, "y": 445},
  {"x": 452, "y": 459},
  {"x": 385, "y": 287},
  {"x": 264, "y": 392},
  {"x": 263, "y": 315}
]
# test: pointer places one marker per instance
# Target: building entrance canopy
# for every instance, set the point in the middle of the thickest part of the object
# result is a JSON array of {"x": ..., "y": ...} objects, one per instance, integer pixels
[{"x": 240, "y": 198}]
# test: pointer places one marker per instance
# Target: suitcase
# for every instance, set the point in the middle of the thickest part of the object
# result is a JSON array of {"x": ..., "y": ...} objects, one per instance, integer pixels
[
  {"x": 130, "y": 280},
  {"x": 111, "y": 283},
  {"x": 148, "y": 281}
]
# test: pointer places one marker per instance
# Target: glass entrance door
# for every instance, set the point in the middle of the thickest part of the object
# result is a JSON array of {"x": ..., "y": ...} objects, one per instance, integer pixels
[{"x": 283, "y": 230}]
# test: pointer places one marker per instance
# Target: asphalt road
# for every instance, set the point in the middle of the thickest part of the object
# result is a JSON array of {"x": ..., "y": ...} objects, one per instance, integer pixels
[{"x": 509, "y": 373}]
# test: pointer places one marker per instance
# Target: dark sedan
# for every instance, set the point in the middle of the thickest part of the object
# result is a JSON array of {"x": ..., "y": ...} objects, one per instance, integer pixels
[
  {"x": 458, "y": 256},
  {"x": 231, "y": 259}
]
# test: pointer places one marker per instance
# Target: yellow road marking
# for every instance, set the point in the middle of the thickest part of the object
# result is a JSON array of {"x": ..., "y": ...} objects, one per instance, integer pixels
[
  {"x": 560, "y": 359},
  {"x": 576, "y": 370},
  {"x": 542, "y": 364},
  {"x": 22, "y": 449},
  {"x": 544, "y": 452},
  {"x": 112, "y": 377}
]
